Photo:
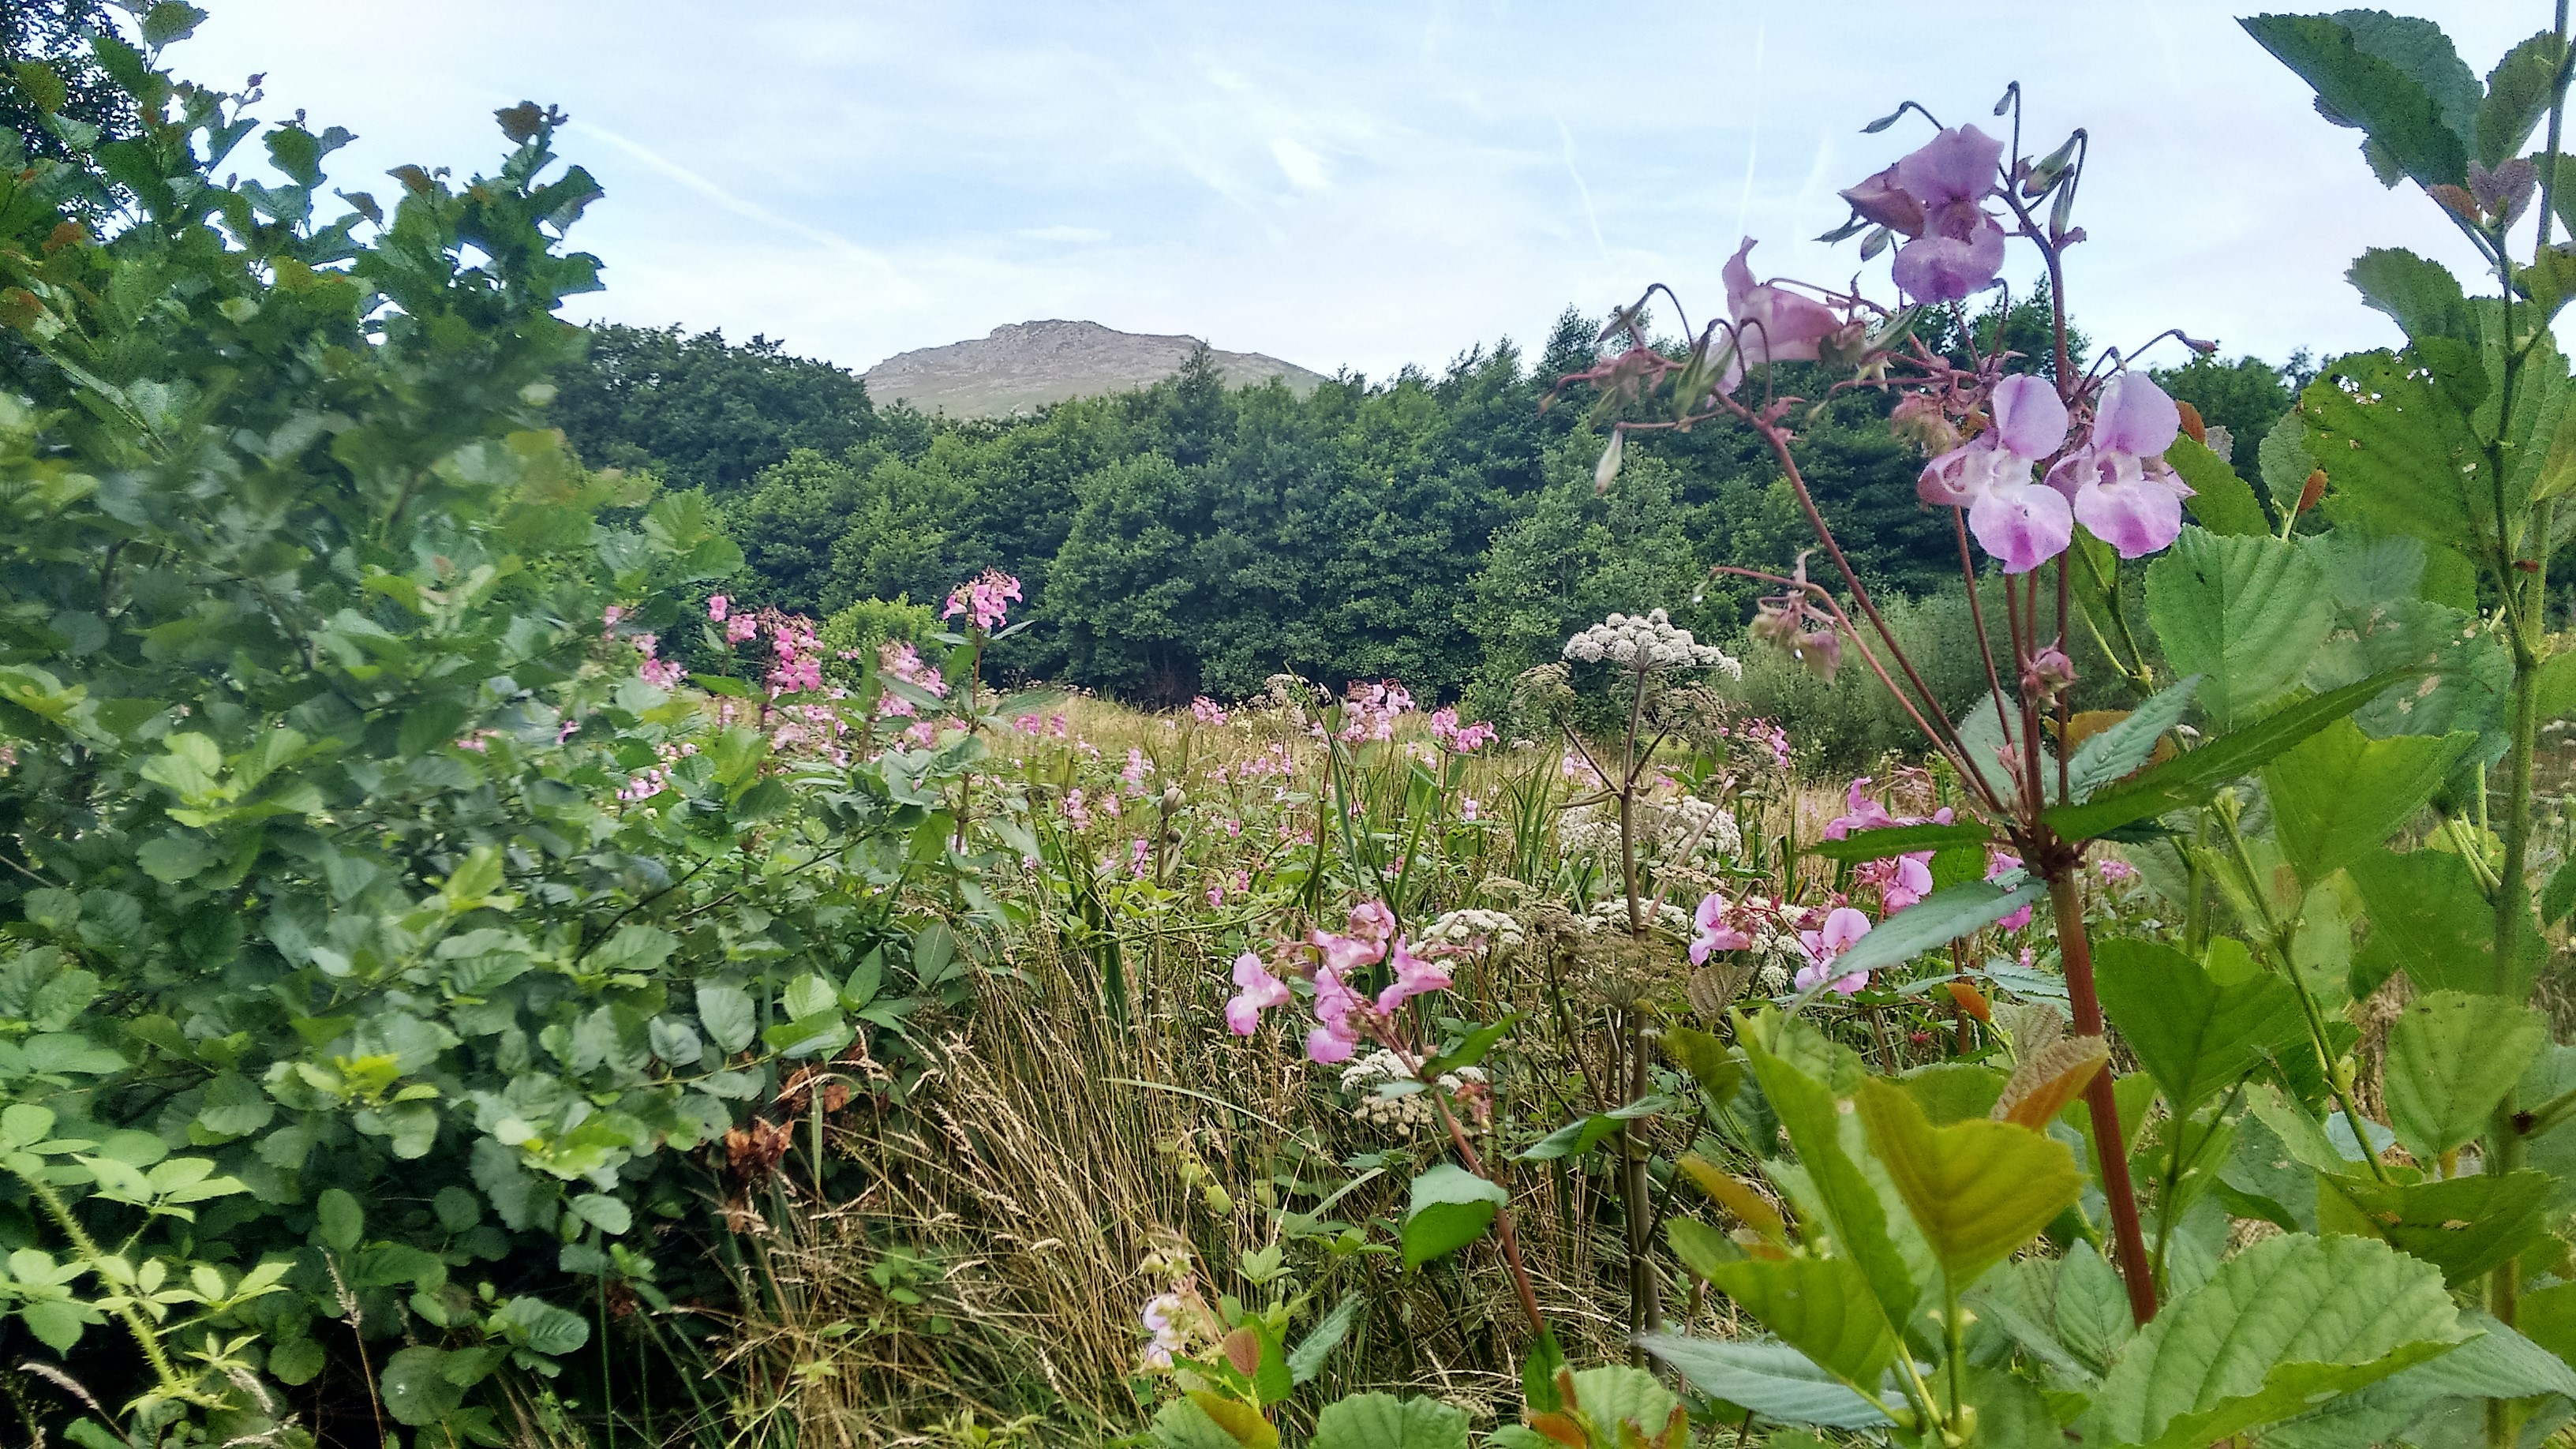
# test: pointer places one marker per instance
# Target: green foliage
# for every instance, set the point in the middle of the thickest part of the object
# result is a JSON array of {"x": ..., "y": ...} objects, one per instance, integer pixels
[
  {"x": 701, "y": 412},
  {"x": 379, "y": 950}
]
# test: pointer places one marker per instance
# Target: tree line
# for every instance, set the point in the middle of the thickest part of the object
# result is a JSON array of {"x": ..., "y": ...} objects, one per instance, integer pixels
[{"x": 1441, "y": 528}]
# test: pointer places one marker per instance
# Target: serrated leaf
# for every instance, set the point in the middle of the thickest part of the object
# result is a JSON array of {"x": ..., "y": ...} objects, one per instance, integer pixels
[
  {"x": 1977, "y": 1189},
  {"x": 415, "y": 1392},
  {"x": 2247, "y": 613},
  {"x": 2452, "y": 1056},
  {"x": 2356, "y": 87},
  {"x": 726, "y": 1013},
  {"x": 2197, "y": 1030},
  {"x": 340, "y": 1220},
  {"x": 1737, "y": 1196},
  {"x": 1383, "y": 1421},
  {"x": 1306, "y": 1360},
  {"x": 2338, "y": 794},
  {"x": 2124, "y": 746},
  {"x": 1809, "y": 1106},
  {"x": 1901, "y": 839},
  {"x": 2518, "y": 95},
  {"x": 2464, "y": 1226},
  {"x": 2287, "y": 1324},
  {"x": 2399, "y": 453}
]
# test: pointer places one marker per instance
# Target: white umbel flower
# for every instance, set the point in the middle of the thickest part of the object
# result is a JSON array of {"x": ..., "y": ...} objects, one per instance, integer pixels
[
  {"x": 1496, "y": 929},
  {"x": 1403, "y": 1115},
  {"x": 1648, "y": 642}
]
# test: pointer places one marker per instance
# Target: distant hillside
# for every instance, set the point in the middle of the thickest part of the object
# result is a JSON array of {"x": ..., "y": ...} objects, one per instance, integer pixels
[{"x": 1026, "y": 364}]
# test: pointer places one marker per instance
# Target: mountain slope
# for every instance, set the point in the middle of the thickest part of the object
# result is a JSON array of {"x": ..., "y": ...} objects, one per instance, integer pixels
[{"x": 1026, "y": 364}]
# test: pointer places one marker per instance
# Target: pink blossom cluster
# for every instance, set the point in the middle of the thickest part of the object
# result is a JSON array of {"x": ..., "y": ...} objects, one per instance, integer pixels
[
  {"x": 984, "y": 600},
  {"x": 1051, "y": 727},
  {"x": 1369, "y": 711},
  {"x": 2117, "y": 484},
  {"x": 1343, "y": 1016},
  {"x": 799, "y": 667},
  {"x": 1134, "y": 773},
  {"x": 1240, "y": 883},
  {"x": 658, "y": 672},
  {"x": 1277, "y": 760},
  {"x": 1207, "y": 711},
  {"x": 1465, "y": 739},
  {"x": 1899, "y": 880},
  {"x": 1821, "y": 936},
  {"x": 897, "y": 659},
  {"x": 1162, "y": 1319},
  {"x": 653, "y": 779}
]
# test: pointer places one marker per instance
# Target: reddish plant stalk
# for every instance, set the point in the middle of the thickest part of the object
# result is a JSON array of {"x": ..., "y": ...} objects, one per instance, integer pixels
[{"x": 2129, "y": 1240}]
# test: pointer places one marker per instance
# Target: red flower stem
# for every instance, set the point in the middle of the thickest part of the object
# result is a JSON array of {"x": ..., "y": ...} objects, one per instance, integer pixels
[{"x": 2129, "y": 1241}]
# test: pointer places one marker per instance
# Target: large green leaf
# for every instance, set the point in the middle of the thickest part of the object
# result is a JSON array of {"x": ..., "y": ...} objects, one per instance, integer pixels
[
  {"x": 2420, "y": 296},
  {"x": 1383, "y": 1421},
  {"x": 2431, "y": 918},
  {"x": 1937, "y": 920},
  {"x": 2281, "y": 1327},
  {"x": 2339, "y": 793},
  {"x": 2372, "y": 86},
  {"x": 2246, "y": 612},
  {"x": 1810, "y": 1106},
  {"x": 2189, "y": 777},
  {"x": 2197, "y": 1029},
  {"x": 1772, "y": 1379},
  {"x": 2398, "y": 453},
  {"x": 1977, "y": 1189},
  {"x": 2452, "y": 1056},
  {"x": 1451, "y": 1207},
  {"x": 1820, "y": 1306},
  {"x": 2463, "y": 1225},
  {"x": 1616, "y": 1395},
  {"x": 1899, "y": 839}
]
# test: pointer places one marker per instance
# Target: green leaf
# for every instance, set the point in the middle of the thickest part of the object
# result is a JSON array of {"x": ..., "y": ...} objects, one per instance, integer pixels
[
  {"x": 1937, "y": 920},
  {"x": 1306, "y": 1360},
  {"x": 2282, "y": 1326},
  {"x": 1583, "y": 1134},
  {"x": 2420, "y": 296},
  {"x": 608, "y": 1214},
  {"x": 1618, "y": 1397},
  {"x": 2553, "y": 690},
  {"x": 1702, "y": 1249},
  {"x": 2247, "y": 612},
  {"x": 2399, "y": 453},
  {"x": 2464, "y": 1226},
  {"x": 1706, "y": 1059},
  {"x": 2430, "y": 917},
  {"x": 2110, "y": 755},
  {"x": 2356, "y": 87},
  {"x": 2338, "y": 793},
  {"x": 1977, "y": 1189},
  {"x": 2190, "y": 776},
  {"x": 296, "y": 1362},
  {"x": 1900, "y": 839},
  {"x": 1820, "y": 1306},
  {"x": 2220, "y": 501},
  {"x": 1470, "y": 1049},
  {"x": 1451, "y": 1207},
  {"x": 1382, "y": 1421},
  {"x": 1772, "y": 1379},
  {"x": 1781, "y": 1050},
  {"x": 2196, "y": 1029},
  {"x": 174, "y": 857},
  {"x": 726, "y": 1013},
  {"x": 2452, "y": 1056},
  {"x": 41, "y": 85},
  {"x": 542, "y": 1327},
  {"x": 415, "y": 1392},
  {"x": 340, "y": 1219},
  {"x": 2518, "y": 94},
  {"x": 235, "y": 1107},
  {"x": 1182, "y": 1424}
]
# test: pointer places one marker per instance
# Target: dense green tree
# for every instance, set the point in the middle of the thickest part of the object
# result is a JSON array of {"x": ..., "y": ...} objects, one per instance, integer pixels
[
  {"x": 60, "y": 36},
  {"x": 702, "y": 412}
]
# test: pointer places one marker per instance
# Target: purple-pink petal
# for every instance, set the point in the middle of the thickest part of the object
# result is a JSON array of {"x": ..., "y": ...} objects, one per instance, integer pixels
[
  {"x": 1939, "y": 269},
  {"x": 2022, "y": 524},
  {"x": 2030, "y": 421},
  {"x": 2136, "y": 509},
  {"x": 2134, "y": 416},
  {"x": 1956, "y": 165}
]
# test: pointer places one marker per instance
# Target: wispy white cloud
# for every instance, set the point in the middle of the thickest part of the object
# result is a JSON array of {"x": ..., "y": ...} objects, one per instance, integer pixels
[{"x": 1337, "y": 182}]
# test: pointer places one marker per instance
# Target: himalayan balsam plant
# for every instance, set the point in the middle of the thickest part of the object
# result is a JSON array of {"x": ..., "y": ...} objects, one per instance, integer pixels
[{"x": 2325, "y": 775}]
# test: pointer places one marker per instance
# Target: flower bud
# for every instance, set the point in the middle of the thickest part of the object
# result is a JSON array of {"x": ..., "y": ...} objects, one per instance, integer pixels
[
  {"x": 1918, "y": 419},
  {"x": 2048, "y": 674}
]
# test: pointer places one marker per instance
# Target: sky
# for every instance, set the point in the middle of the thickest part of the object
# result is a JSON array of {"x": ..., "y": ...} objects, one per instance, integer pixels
[{"x": 1360, "y": 185}]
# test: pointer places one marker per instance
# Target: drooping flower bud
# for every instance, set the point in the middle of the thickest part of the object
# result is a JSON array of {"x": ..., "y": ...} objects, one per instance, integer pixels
[
  {"x": 2047, "y": 674},
  {"x": 1918, "y": 419}
]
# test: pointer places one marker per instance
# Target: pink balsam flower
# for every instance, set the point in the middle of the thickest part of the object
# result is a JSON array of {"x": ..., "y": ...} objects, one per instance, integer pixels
[
  {"x": 2119, "y": 484},
  {"x": 1842, "y": 930},
  {"x": 2020, "y": 522},
  {"x": 1257, "y": 990}
]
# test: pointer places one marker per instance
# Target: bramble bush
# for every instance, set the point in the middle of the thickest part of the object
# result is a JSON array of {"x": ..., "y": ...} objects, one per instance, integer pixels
[{"x": 398, "y": 947}]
